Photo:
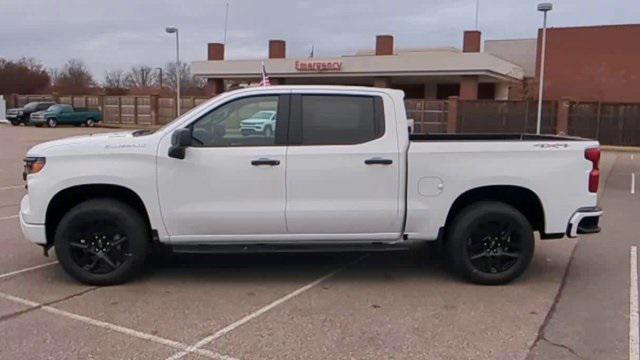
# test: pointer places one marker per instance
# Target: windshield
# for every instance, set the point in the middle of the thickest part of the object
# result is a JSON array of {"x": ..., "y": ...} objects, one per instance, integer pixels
[
  {"x": 262, "y": 115},
  {"x": 30, "y": 106},
  {"x": 186, "y": 114},
  {"x": 53, "y": 107}
]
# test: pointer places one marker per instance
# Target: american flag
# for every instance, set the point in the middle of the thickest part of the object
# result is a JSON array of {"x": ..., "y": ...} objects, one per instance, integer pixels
[{"x": 265, "y": 78}]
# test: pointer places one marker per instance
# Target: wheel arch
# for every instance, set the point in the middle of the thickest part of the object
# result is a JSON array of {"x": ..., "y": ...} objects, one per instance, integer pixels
[
  {"x": 524, "y": 200},
  {"x": 69, "y": 197}
]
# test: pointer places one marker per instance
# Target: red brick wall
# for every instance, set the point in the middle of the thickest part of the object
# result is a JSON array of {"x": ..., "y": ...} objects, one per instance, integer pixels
[{"x": 592, "y": 63}]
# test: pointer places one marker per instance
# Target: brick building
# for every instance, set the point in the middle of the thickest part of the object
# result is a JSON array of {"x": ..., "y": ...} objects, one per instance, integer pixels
[
  {"x": 589, "y": 63},
  {"x": 436, "y": 73},
  {"x": 586, "y": 63}
]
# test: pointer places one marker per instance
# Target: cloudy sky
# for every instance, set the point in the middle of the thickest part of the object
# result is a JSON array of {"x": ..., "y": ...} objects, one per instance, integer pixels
[{"x": 112, "y": 34}]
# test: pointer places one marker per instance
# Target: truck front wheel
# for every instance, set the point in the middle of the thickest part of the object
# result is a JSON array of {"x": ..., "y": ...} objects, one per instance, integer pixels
[
  {"x": 490, "y": 243},
  {"x": 102, "y": 242}
]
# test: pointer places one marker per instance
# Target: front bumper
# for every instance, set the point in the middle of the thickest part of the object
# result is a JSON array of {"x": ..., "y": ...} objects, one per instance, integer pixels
[
  {"x": 32, "y": 232},
  {"x": 584, "y": 221},
  {"x": 37, "y": 121},
  {"x": 246, "y": 130},
  {"x": 14, "y": 118}
]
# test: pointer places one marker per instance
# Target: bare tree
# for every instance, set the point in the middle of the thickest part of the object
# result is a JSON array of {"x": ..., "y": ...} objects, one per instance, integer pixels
[
  {"x": 24, "y": 76},
  {"x": 116, "y": 79},
  {"x": 141, "y": 76},
  {"x": 187, "y": 80},
  {"x": 73, "y": 77}
]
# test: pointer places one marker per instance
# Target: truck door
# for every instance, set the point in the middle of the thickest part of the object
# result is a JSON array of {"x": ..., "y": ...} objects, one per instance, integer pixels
[
  {"x": 229, "y": 186},
  {"x": 343, "y": 171}
]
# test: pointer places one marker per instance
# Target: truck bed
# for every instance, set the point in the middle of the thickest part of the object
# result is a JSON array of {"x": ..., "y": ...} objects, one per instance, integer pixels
[{"x": 441, "y": 167}]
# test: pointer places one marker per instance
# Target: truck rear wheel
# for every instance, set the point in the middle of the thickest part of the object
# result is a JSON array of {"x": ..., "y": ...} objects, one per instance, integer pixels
[
  {"x": 490, "y": 243},
  {"x": 102, "y": 242}
]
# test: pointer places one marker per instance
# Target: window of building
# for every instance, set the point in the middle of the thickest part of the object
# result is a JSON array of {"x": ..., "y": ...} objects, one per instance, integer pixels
[{"x": 444, "y": 91}]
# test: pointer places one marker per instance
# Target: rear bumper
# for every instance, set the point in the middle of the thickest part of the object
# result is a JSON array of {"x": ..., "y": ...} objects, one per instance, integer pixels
[{"x": 584, "y": 221}]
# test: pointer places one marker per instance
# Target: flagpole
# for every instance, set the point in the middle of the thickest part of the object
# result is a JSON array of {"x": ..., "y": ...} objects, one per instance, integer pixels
[
  {"x": 477, "y": 11},
  {"x": 226, "y": 22}
]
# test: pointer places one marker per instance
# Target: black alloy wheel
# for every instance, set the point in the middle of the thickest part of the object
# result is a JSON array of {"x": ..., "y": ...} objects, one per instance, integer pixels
[
  {"x": 102, "y": 242},
  {"x": 490, "y": 243},
  {"x": 99, "y": 246},
  {"x": 494, "y": 246}
]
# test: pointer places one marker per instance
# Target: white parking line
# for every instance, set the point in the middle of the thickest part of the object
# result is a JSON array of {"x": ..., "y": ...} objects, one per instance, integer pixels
[
  {"x": 633, "y": 183},
  {"x": 12, "y": 187},
  {"x": 257, "y": 313},
  {"x": 117, "y": 328},
  {"x": 8, "y": 217},
  {"x": 634, "y": 349},
  {"x": 2, "y": 276}
]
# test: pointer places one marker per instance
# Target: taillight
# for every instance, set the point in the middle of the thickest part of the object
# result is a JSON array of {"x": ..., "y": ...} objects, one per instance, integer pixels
[{"x": 593, "y": 155}]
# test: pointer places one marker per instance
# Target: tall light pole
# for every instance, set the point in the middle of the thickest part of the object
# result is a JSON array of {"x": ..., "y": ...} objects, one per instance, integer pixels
[
  {"x": 171, "y": 30},
  {"x": 544, "y": 7}
]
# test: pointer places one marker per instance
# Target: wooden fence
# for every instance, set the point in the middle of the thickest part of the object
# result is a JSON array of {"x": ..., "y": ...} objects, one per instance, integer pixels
[
  {"x": 120, "y": 110},
  {"x": 610, "y": 123},
  {"x": 429, "y": 116},
  {"x": 497, "y": 116}
]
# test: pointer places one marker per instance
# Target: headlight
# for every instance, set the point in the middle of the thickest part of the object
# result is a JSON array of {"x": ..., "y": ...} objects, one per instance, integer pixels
[
  {"x": 20, "y": 112},
  {"x": 32, "y": 165}
]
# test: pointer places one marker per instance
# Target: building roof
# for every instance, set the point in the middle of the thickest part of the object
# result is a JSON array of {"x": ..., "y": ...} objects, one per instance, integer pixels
[
  {"x": 518, "y": 51},
  {"x": 431, "y": 62}
]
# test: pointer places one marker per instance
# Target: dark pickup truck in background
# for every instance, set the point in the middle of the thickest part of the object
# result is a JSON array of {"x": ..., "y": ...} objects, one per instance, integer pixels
[{"x": 22, "y": 115}]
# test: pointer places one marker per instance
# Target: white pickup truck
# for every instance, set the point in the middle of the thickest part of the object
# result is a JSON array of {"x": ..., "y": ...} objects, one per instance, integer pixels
[{"x": 339, "y": 172}]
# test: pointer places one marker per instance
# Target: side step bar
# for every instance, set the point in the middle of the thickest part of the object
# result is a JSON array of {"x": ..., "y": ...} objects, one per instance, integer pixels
[{"x": 288, "y": 248}]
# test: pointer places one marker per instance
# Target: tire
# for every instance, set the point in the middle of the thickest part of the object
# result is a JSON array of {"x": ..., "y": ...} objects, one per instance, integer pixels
[
  {"x": 268, "y": 132},
  {"x": 15, "y": 123},
  {"x": 90, "y": 122},
  {"x": 490, "y": 243},
  {"x": 51, "y": 122},
  {"x": 102, "y": 242}
]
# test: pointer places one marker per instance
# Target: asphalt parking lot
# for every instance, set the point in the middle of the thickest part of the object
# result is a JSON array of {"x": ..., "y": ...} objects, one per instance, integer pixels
[{"x": 573, "y": 302}]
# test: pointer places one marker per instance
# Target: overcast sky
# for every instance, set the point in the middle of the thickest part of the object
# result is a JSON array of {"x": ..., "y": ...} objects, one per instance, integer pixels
[{"x": 112, "y": 34}]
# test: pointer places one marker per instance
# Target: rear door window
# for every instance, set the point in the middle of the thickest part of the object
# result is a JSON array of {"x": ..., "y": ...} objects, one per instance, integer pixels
[{"x": 340, "y": 119}]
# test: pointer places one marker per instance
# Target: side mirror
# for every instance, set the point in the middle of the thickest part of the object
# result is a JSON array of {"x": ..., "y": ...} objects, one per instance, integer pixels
[{"x": 180, "y": 140}]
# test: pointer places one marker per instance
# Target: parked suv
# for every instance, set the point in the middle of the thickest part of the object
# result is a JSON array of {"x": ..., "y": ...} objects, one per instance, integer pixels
[
  {"x": 22, "y": 115},
  {"x": 262, "y": 122}
]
